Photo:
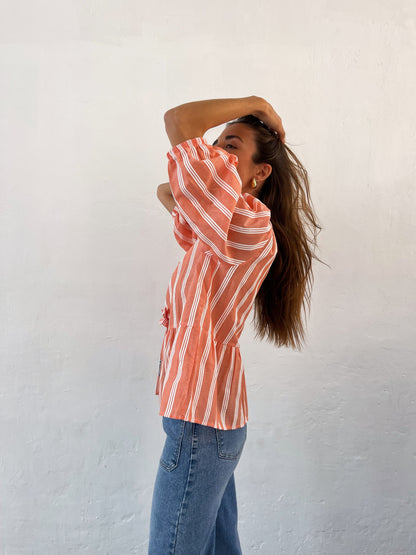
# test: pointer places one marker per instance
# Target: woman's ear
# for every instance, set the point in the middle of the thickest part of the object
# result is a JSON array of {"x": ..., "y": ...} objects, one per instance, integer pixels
[{"x": 263, "y": 172}]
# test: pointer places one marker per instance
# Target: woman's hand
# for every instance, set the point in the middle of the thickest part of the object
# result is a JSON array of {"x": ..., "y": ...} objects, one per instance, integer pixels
[{"x": 272, "y": 119}]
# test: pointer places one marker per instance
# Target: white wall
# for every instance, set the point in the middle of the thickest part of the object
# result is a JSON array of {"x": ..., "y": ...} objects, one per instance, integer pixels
[{"x": 87, "y": 251}]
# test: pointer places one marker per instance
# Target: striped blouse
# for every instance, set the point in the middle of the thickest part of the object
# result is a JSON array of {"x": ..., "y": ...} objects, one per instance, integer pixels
[{"x": 229, "y": 247}]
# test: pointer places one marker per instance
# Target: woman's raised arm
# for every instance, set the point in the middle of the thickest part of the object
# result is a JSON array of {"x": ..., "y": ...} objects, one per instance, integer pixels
[{"x": 193, "y": 119}]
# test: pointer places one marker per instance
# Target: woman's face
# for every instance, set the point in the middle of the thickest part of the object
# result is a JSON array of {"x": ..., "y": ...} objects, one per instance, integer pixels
[{"x": 239, "y": 139}]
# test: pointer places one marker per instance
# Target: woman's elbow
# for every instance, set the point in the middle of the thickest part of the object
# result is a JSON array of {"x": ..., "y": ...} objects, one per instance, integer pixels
[
  {"x": 172, "y": 120},
  {"x": 168, "y": 116},
  {"x": 178, "y": 128}
]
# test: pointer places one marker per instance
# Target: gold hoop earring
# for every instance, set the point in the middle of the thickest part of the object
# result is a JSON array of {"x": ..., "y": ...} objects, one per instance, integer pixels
[{"x": 254, "y": 183}]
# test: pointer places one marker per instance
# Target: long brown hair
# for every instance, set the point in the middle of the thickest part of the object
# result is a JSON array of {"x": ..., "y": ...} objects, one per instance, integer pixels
[{"x": 281, "y": 304}]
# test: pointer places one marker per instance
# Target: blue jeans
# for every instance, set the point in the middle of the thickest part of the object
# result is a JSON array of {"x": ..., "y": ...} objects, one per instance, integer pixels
[{"x": 194, "y": 508}]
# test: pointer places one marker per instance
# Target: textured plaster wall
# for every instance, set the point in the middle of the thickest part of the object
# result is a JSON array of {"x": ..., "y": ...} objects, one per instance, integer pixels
[{"x": 87, "y": 251}]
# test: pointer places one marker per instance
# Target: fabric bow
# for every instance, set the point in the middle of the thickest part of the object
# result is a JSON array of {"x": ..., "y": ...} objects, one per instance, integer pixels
[{"x": 164, "y": 321}]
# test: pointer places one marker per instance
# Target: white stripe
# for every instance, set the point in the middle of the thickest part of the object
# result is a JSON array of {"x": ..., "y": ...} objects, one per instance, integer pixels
[
  {"x": 183, "y": 238},
  {"x": 245, "y": 247},
  {"x": 223, "y": 285},
  {"x": 201, "y": 373},
  {"x": 227, "y": 389},
  {"x": 237, "y": 400},
  {"x": 249, "y": 230},
  {"x": 186, "y": 277},
  {"x": 252, "y": 214},
  {"x": 241, "y": 416},
  {"x": 173, "y": 292},
  {"x": 182, "y": 223},
  {"x": 212, "y": 387},
  {"x": 168, "y": 367},
  {"x": 169, "y": 303},
  {"x": 165, "y": 358},
  {"x": 197, "y": 297}
]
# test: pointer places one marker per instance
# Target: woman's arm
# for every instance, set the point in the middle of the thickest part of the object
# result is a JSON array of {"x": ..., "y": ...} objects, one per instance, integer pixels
[
  {"x": 181, "y": 229},
  {"x": 164, "y": 194},
  {"x": 193, "y": 119}
]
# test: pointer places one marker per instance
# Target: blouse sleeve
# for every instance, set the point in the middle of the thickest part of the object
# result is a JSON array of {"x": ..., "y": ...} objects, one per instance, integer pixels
[{"x": 207, "y": 190}]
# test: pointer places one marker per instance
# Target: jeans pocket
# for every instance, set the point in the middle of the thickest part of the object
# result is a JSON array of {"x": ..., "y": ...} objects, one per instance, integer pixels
[
  {"x": 174, "y": 430},
  {"x": 231, "y": 442}
]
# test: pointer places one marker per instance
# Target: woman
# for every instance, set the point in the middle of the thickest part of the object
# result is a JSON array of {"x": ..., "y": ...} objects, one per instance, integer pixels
[{"x": 242, "y": 213}]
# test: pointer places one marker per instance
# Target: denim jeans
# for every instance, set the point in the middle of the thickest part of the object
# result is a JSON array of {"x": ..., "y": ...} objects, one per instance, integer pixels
[{"x": 194, "y": 508}]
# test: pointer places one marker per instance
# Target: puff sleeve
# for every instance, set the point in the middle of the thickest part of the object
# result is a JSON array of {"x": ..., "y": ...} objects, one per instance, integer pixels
[{"x": 210, "y": 205}]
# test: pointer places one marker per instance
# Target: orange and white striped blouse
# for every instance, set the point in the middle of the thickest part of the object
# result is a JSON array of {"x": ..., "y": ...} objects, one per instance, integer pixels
[{"x": 230, "y": 246}]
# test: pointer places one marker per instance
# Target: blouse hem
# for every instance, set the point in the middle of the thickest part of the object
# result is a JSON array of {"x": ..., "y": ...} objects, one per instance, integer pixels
[{"x": 199, "y": 421}]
